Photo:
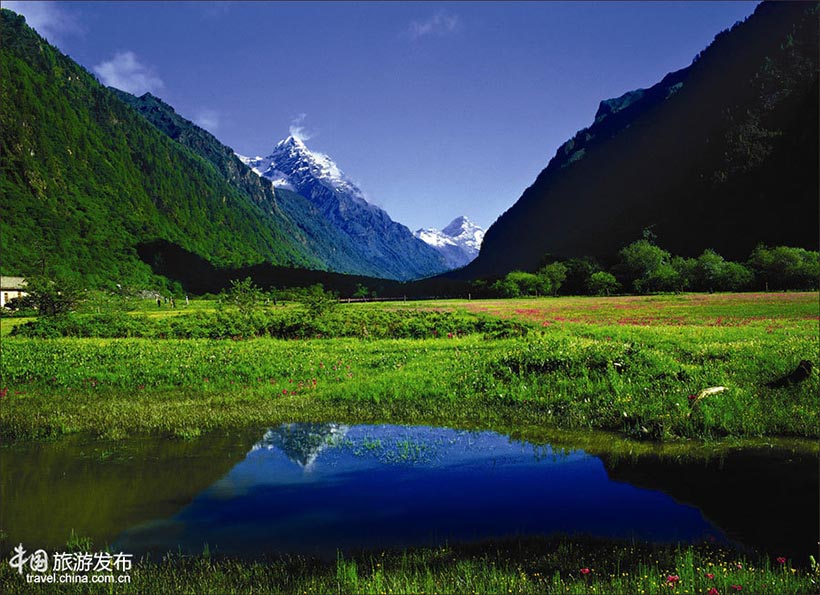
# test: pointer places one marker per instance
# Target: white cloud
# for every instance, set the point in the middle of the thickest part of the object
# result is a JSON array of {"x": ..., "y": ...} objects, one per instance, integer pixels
[
  {"x": 438, "y": 25},
  {"x": 49, "y": 19},
  {"x": 208, "y": 119},
  {"x": 125, "y": 72},
  {"x": 298, "y": 130}
]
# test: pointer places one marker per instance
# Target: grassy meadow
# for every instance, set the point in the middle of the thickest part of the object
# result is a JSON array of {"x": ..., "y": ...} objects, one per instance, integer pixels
[
  {"x": 631, "y": 365},
  {"x": 545, "y": 369}
]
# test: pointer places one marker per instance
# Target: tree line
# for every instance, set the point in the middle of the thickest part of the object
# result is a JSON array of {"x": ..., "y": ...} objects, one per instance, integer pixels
[{"x": 644, "y": 267}]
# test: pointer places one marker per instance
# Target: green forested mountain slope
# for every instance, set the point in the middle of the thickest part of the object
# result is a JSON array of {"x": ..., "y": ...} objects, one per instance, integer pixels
[
  {"x": 722, "y": 154},
  {"x": 297, "y": 216},
  {"x": 85, "y": 179}
]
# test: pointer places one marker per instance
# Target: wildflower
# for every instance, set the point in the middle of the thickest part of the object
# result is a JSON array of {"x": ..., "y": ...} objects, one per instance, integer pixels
[
  {"x": 693, "y": 398},
  {"x": 285, "y": 391},
  {"x": 672, "y": 579},
  {"x": 737, "y": 587},
  {"x": 585, "y": 571},
  {"x": 739, "y": 566},
  {"x": 3, "y": 393},
  {"x": 710, "y": 575},
  {"x": 781, "y": 560},
  {"x": 712, "y": 591}
]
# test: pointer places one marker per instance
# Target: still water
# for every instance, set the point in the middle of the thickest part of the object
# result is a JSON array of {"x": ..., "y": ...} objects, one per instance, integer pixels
[{"x": 317, "y": 488}]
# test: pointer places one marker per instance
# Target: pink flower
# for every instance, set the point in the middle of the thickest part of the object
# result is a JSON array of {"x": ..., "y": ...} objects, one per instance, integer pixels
[
  {"x": 712, "y": 591},
  {"x": 737, "y": 587},
  {"x": 673, "y": 579},
  {"x": 284, "y": 392},
  {"x": 585, "y": 571},
  {"x": 781, "y": 560},
  {"x": 710, "y": 576},
  {"x": 739, "y": 566},
  {"x": 692, "y": 398}
]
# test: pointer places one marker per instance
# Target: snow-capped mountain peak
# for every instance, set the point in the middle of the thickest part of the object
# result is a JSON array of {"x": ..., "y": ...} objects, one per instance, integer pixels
[
  {"x": 465, "y": 232},
  {"x": 459, "y": 241},
  {"x": 368, "y": 234},
  {"x": 292, "y": 163}
]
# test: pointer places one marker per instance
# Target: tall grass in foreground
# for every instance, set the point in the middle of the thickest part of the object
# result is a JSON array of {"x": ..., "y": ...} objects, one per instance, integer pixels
[{"x": 526, "y": 565}]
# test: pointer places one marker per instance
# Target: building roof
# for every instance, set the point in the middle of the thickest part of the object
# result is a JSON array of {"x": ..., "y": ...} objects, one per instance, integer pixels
[{"x": 12, "y": 283}]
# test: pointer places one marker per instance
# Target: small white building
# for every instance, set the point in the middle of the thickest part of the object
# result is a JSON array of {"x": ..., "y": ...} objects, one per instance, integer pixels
[{"x": 10, "y": 288}]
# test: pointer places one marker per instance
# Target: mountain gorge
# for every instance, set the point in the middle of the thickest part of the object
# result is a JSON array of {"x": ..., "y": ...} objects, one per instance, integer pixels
[
  {"x": 722, "y": 154},
  {"x": 386, "y": 248}
]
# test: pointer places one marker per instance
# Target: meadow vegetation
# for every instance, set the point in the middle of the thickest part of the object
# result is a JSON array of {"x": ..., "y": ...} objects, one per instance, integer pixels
[
  {"x": 631, "y": 365},
  {"x": 517, "y": 565}
]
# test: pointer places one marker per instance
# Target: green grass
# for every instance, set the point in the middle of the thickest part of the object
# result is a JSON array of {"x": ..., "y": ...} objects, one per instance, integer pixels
[
  {"x": 524, "y": 565},
  {"x": 8, "y": 324},
  {"x": 634, "y": 379}
]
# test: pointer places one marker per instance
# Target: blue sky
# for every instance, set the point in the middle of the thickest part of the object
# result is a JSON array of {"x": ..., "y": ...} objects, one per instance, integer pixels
[{"x": 435, "y": 109}]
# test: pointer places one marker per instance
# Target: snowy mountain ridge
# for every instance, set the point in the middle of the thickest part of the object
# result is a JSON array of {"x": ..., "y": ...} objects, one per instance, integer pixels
[
  {"x": 384, "y": 247},
  {"x": 459, "y": 242}
]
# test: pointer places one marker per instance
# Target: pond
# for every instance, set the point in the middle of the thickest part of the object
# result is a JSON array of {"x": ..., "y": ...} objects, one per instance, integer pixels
[{"x": 317, "y": 488}]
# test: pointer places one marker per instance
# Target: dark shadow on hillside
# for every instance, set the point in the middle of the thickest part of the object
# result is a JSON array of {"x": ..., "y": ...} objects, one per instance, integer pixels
[{"x": 198, "y": 276}]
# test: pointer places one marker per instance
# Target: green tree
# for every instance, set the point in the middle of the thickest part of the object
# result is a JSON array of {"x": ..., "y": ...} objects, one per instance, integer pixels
[
  {"x": 528, "y": 283},
  {"x": 783, "y": 267},
  {"x": 663, "y": 278},
  {"x": 552, "y": 276},
  {"x": 243, "y": 295},
  {"x": 361, "y": 291},
  {"x": 685, "y": 269},
  {"x": 713, "y": 273},
  {"x": 602, "y": 283},
  {"x": 506, "y": 288},
  {"x": 646, "y": 267},
  {"x": 736, "y": 277},
  {"x": 709, "y": 270},
  {"x": 316, "y": 300},
  {"x": 51, "y": 296},
  {"x": 578, "y": 272}
]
